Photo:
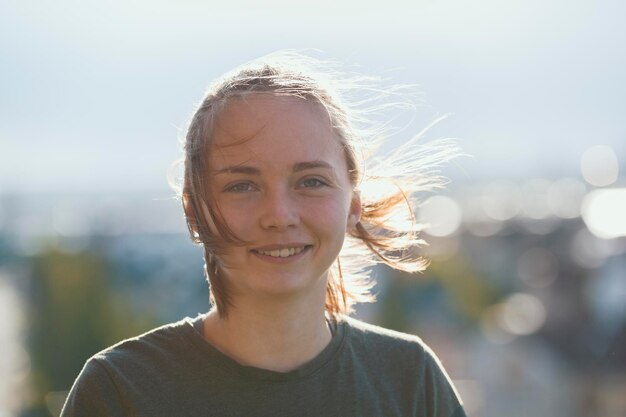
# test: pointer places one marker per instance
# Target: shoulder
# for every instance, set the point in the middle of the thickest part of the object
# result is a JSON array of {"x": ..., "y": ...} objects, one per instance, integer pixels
[
  {"x": 379, "y": 350},
  {"x": 127, "y": 371},
  {"x": 375, "y": 337},
  {"x": 161, "y": 350},
  {"x": 163, "y": 340},
  {"x": 402, "y": 363},
  {"x": 386, "y": 350}
]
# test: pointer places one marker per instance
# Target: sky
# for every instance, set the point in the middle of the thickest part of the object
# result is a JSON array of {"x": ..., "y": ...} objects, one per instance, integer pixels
[{"x": 94, "y": 95}]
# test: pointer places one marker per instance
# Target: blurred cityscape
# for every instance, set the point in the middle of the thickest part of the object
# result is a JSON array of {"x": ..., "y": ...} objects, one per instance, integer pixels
[
  {"x": 525, "y": 297},
  {"x": 524, "y": 300}
]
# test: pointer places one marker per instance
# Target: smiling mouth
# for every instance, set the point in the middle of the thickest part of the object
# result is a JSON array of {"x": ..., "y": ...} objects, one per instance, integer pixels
[{"x": 283, "y": 252}]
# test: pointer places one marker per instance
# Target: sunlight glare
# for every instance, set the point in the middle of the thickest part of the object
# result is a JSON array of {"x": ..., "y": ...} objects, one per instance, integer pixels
[{"x": 604, "y": 212}]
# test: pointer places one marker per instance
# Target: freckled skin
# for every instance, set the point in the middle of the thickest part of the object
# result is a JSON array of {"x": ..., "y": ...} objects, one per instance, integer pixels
[{"x": 269, "y": 204}]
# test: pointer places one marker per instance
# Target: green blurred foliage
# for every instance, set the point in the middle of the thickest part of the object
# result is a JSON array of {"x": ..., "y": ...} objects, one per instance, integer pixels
[
  {"x": 450, "y": 287},
  {"x": 469, "y": 293},
  {"x": 73, "y": 314}
]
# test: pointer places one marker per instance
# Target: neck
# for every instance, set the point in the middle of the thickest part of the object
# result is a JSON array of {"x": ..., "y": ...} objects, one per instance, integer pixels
[{"x": 275, "y": 336}]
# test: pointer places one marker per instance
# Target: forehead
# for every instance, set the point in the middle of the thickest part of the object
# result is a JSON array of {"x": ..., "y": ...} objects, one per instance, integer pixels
[{"x": 265, "y": 128}]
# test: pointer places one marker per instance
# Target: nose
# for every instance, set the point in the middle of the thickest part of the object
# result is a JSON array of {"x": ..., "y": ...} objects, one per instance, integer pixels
[{"x": 279, "y": 211}]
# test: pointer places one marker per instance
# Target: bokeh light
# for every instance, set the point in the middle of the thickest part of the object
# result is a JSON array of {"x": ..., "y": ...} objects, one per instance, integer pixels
[
  {"x": 599, "y": 165},
  {"x": 442, "y": 215},
  {"x": 522, "y": 314},
  {"x": 475, "y": 219},
  {"x": 502, "y": 200},
  {"x": 604, "y": 212},
  {"x": 565, "y": 197}
]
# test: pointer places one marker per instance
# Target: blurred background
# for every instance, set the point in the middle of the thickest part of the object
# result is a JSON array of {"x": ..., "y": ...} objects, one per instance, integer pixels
[{"x": 525, "y": 299}]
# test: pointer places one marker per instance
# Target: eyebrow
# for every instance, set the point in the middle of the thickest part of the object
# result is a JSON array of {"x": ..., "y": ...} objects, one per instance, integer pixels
[
  {"x": 302, "y": 166},
  {"x": 248, "y": 170},
  {"x": 238, "y": 169}
]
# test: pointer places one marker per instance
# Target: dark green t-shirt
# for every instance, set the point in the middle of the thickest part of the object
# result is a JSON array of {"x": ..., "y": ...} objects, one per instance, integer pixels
[{"x": 172, "y": 371}]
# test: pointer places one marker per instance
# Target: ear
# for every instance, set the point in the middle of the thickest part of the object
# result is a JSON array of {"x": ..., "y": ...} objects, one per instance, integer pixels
[{"x": 354, "y": 215}]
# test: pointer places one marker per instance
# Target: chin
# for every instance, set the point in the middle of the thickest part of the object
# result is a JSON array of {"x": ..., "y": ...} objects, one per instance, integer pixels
[{"x": 282, "y": 285}]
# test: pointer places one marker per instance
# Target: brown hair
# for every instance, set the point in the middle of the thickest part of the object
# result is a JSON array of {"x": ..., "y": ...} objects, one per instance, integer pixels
[{"x": 386, "y": 191}]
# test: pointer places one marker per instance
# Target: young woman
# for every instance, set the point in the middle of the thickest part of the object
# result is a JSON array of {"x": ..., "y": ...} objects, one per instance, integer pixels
[{"x": 275, "y": 192}]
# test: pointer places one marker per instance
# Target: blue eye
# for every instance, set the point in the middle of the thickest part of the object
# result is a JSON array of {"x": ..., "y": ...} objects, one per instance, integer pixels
[
  {"x": 313, "y": 183},
  {"x": 240, "y": 187}
]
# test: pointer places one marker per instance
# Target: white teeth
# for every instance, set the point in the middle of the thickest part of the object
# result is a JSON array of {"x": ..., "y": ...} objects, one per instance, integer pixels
[{"x": 282, "y": 253}]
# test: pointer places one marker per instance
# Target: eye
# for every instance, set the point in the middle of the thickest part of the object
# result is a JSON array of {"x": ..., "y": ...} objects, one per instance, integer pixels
[
  {"x": 313, "y": 183},
  {"x": 240, "y": 187}
]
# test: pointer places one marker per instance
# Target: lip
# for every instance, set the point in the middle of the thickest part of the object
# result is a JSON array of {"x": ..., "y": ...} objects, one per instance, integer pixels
[{"x": 280, "y": 260}]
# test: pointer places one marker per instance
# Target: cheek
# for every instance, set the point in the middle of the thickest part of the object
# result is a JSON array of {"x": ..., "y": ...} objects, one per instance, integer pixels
[
  {"x": 239, "y": 218},
  {"x": 328, "y": 215},
  {"x": 236, "y": 217}
]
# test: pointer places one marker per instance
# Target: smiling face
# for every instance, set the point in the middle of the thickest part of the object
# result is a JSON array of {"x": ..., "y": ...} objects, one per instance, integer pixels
[{"x": 279, "y": 177}]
